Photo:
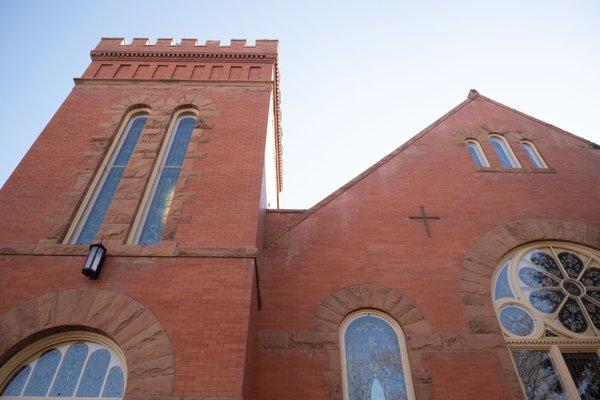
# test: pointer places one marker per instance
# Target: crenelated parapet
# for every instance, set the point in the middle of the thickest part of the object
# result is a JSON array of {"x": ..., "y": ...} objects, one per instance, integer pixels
[
  {"x": 189, "y": 60},
  {"x": 186, "y": 49}
]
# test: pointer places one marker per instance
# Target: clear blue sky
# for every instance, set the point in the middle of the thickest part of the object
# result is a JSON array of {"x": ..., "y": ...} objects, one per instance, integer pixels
[{"x": 358, "y": 78}]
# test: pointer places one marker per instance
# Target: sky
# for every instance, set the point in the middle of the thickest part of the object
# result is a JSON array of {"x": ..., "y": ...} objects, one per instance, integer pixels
[{"x": 358, "y": 78}]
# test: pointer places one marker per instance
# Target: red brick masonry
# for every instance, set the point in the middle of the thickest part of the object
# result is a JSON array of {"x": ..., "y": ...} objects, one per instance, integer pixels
[{"x": 186, "y": 311}]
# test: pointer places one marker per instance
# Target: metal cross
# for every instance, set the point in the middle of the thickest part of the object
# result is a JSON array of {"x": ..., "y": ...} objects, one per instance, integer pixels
[{"x": 425, "y": 219}]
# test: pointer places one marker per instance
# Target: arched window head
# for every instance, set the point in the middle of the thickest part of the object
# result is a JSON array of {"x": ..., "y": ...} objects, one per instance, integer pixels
[
  {"x": 547, "y": 300},
  {"x": 477, "y": 153},
  {"x": 374, "y": 359},
  {"x": 74, "y": 365},
  {"x": 150, "y": 223},
  {"x": 504, "y": 152},
  {"x": 105, "y": 184},
  {"x": 534, "y": 156}
]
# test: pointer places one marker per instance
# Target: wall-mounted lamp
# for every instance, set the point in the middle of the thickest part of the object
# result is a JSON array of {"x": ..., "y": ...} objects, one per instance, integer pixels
[{"x": 94, "y": 261}]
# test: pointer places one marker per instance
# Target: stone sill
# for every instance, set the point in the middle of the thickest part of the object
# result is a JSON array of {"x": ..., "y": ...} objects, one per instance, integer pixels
[
  {"x": 517, "y": 170},
  {"x": 165, "y": 248}
]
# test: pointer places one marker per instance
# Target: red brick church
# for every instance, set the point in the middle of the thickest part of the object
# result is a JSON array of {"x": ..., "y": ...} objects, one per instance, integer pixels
[{"x": 143, "y": 253}]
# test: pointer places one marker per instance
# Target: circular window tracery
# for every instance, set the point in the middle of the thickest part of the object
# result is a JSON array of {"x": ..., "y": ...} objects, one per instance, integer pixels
[
  {"x": 70, "y": 365},
  {"x": 549, "y": 289}
]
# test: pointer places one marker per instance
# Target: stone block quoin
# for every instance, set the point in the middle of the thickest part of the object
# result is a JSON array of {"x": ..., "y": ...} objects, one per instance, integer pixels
[{"x": 131, "y": 325}]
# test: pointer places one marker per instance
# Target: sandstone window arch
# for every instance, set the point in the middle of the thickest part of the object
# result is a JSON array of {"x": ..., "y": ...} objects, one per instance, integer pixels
[
  {"x": 374, "y": 357},
  {"x": 76, "y": 364},
  {"x": 547, "y": 300},
  {"x": 89, "y": 218}
]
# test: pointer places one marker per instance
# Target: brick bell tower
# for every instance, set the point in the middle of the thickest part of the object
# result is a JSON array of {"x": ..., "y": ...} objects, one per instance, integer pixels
[{"x": 169, "y": 154}]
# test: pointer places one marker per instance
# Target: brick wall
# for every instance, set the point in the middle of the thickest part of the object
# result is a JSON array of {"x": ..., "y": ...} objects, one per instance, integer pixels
[
  {"x": 189, "y": 306},
  {"x": 361, "y": 235},
  {"x": 200, "y": 281}
]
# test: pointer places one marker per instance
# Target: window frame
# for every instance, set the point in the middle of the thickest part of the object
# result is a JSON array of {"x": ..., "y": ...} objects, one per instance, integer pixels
[
  {"x": 480, "y": 153},
  {"x": 35, "y": 349},
  {"x": 536, "y": 153},
  {"x": 100, "y": 176},
  {"x": 555, "y": 346},
  {"x": 510, "y": 154},
  {"x": 144, "y": 208},
  {"x": 401, "y": 344}
]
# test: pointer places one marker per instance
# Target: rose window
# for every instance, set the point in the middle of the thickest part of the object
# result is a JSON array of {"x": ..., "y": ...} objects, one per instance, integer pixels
[{"x": 548, "y": 291}]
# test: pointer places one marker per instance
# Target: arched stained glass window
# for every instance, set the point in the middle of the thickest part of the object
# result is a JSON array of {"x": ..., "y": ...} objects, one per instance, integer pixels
[
  {"x": 162, "y": 188},
  {"x": 504, "y": 152},
  {"x": 477, "y": 153},
  {"x": 375, "y": 361},
  {"x": 106, "y": 185},
  {"x": 533, "y": 154},
  {"x": 73, "y": 369},
  {"x": 547, "y": 299}
]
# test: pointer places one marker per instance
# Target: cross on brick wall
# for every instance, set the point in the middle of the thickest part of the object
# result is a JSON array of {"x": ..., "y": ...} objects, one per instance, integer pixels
[{"x": 423, "y": 215}]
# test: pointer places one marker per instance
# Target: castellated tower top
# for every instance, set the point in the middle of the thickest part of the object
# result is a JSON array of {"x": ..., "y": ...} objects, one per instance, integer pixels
[
  {"x": 188, "y": 48},
  {"x": 191, "y": 62}
]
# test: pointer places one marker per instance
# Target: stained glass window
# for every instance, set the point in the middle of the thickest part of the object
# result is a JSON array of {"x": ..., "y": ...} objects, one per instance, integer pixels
[
  {"x": 557, "y": 285},
  {"x": 476, "y": 153},
  {"x": 533, "y": 155},
  {"x": 107, "y": 186},
  {"x": 73, "y": 369},
  {"x": 538, "y": 375},
  {"x": 585, "y": 371},
  {"x": 502, "y": 289},
  {"x": 546, "y": 296},
  {"x": 163, "y": 189},
  {"x": 516, "y": 320},
  {"x": 374, "y": 362},
  {"x": 503, "y": 152}
]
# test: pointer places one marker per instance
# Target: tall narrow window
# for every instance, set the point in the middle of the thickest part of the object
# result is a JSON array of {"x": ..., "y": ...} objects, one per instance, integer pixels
[
  {"x": 534, "y": 156},
  {"x": 477, "y": 153},
  {"x": 163, "y": 186},
  {"x": 504, "y": 152},
  {"x": 375, "y": 361},
  {"x": 109, "y": 177}
]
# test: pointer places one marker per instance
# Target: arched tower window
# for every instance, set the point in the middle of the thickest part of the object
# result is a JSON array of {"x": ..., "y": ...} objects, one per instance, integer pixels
[
  {"x": 375, "y": 363},
  {"x": 534, "y": 156},
  {"x": 477, "y": 153},
  {"x": 504, "y": 152},
  {"x": 158, "y": 200},
  {"x": 105, "y": 184},
  {"x": 547, "y": 299},
  {"x": 74, "y": 365}
]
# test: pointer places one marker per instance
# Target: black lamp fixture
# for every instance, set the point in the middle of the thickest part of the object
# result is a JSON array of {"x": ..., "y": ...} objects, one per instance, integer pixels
[{"x": 94, "y": 261}]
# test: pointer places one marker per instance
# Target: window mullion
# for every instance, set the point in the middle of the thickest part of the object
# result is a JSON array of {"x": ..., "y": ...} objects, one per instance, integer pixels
[
  {"x": 563, "y": 372},
  {"x": 585, "y": 267},
  {"x": 62, "y": 357},
  {"x": 32, "y": 366},
  {"x": 90, "y": 351},
  {"x": 559, "y": 263}
]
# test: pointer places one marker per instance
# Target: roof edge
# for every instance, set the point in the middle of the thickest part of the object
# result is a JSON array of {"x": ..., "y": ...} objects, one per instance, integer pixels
[
  {"x": 473, "y": 94},
  {"x": 476, "y": 94},
  {"x": 370, "y": 170}
]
